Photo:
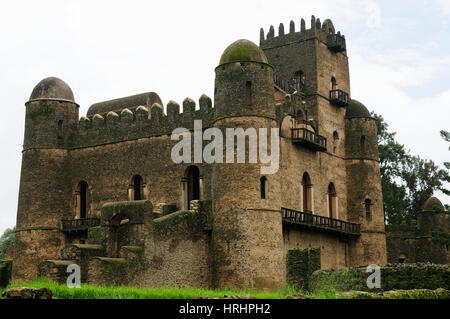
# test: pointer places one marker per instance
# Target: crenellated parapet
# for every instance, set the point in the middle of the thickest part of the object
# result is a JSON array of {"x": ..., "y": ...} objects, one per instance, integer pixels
[
  {"x": 325, "y": 32},
  {"x": 139, "y": 121}
]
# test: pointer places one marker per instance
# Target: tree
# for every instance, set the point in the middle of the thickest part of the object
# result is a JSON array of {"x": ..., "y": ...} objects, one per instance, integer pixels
[
  {"x": 407, "y": 181},
  {"x": 6, "y": 239}
]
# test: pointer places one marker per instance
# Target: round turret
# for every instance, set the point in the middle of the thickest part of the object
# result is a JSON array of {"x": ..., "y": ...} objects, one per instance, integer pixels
[
  {"x": 52, "y": 89},
  {"x": 243, "y": 51},
  {"x": 356, "y": 109},
  {"x": 244, "y": 82},
  {"x": 51, "y": 115},
  {"x": 433, "y": 204}
]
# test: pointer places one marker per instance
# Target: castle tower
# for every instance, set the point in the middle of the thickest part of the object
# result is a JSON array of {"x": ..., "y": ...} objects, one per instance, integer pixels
[
  {"x": 364, "y": 197},
  {"x": 44, "y": 194},
  {"x": 247, "y": 232},
  {"x": 314, "y": 61}
]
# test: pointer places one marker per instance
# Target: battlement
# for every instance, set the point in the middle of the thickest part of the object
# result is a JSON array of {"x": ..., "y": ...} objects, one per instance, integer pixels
[
  {"x": 140, "y": 121},
  {"x": 325, "y": 32}
]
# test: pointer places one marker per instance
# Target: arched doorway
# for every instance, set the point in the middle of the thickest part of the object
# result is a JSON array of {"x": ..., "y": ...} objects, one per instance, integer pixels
[{"x": 193, "y": 184}]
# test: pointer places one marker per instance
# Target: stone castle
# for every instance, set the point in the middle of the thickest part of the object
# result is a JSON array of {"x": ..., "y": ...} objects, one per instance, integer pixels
[{"x": 102, "y": 191}]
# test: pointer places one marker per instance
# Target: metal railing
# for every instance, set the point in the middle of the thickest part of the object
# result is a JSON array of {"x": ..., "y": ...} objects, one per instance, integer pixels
[
  {"x": 339, "y": 97},
  {"x": 320, "y": 222},
  {"x": 309, "y": 137},
  {"x": 79, "y": 224},
  {"x": 336, "y": 43}
]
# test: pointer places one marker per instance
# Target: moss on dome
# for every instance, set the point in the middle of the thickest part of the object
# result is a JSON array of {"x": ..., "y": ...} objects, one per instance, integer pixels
[{"x": 243, "y": 50}]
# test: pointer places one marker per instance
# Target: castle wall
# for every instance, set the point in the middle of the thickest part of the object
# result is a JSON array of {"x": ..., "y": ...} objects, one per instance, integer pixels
[
  {"x": 333, "y": 252},
  {"x": 323, "y": 168},
  {"x": 108, "y": 170},
  {"x": 177, "y": 253}
]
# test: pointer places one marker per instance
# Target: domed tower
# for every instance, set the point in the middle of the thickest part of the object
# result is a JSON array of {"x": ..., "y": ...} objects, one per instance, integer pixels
[
  {"x": 247, "y": 233},
  {"x": 364, "y": 197},
  {"x": 44, "y": 194}
]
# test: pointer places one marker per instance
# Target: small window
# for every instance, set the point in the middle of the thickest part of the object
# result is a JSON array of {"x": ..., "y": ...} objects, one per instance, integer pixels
[
  {"x": 401, "y": 259},
  {"x": 298, "y": 80},
  {"x": 263, "y": 187},
  {"x": 363, "y": 144},
  {"x": 368, "y": 209},
  {"x": 60, "y": 130},
  {"x": 333, "y": 83},
  {"x": 137, "y": 188},
  {"x": 335, "y": 141},
  {"x": 193, "y": 184},
  {"x": 248, "y": 93},
  {"x": 83, "y": 189},
  {"x": 332, "y": 213}
]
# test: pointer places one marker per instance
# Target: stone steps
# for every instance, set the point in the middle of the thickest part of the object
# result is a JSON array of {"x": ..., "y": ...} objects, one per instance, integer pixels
[{"x": 55, "y": 270}]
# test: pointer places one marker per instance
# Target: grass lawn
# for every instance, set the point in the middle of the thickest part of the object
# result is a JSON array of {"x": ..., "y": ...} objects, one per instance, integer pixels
[{"x": 97, "y": 292}]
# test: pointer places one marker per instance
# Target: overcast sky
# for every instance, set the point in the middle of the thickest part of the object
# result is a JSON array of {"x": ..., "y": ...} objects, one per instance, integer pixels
[{"x": 398, "y": 50}]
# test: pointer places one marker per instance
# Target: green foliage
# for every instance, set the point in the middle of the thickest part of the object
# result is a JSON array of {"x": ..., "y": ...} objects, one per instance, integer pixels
[
  {"x": 7, "y": 239},
  {"x": 61, "y": 291},
  {"x": 407, "y": 181},
  {"x": 398, "y": 294}
]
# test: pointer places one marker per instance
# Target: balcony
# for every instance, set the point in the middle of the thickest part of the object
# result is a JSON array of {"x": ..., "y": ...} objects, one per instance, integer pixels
[
  {"x": 309, "y": 139},
  {"x": 78, "y": 225},
  {"x": 320, "y": 223},
  {"x": 287, "y": 86},
  {"x": 339, "y": 97},
  {"x": 336, "y": 43}
]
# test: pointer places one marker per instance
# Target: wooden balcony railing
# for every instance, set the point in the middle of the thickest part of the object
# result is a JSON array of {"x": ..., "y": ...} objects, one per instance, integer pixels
[
  {"x": 339, "y": 97},
  {"x": 287, "y": 86},
  {"x": 73, "y": 225},
  {"x": 309, "y": 139},
  {"x": 307, "y": 219},
  {"x": 336, "y": 43}
]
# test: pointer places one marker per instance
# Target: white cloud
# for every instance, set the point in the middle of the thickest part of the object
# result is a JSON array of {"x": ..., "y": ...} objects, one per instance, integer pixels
[
  {"x": 381, "y": 82},
  {"x": 444, "y": 6}
]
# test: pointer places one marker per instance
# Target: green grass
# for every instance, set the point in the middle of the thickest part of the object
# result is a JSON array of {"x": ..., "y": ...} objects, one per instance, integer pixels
[{"x": 86, "y": 291}]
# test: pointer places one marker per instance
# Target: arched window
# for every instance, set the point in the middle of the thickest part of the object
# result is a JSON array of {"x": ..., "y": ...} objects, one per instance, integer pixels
[
  {"x": 334, "y": 85},
  {"x": 83, "y": 201},
  {"x": 368, "y": 209},
  {"x": 307, "y": 193},
  {"x": 248, "y": 93},
  {"x": 60, "y": 130},
  {"x": 137, "y": 187},
  {"x": 363, "y": 144},
  {"x": 300, "y": 116},
  {"x": 335, "y": 141},
  {"x": 298, "y": 80},
  {"x": 263, "y": 186},
  {"x": 193, "y": 184},
  {"x": 332, "y": 201}
]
